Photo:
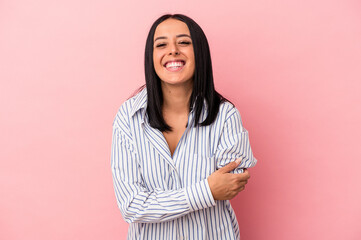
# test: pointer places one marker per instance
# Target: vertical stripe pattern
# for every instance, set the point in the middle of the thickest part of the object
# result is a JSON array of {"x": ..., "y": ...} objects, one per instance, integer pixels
[{"x": 168, "y": 197}]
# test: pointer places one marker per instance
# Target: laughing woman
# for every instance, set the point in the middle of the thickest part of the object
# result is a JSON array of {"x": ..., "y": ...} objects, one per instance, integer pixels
[{"x": 179, "y": 150}]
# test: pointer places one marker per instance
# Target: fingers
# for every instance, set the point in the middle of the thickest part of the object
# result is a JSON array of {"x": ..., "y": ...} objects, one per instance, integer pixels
[
  {"x": 229, "y": 167},
  {"x": 241, "y": 179},
  {"x": 238, "y": 184},
  {"x": 243, "y": 176},
  {"x": 241, "y": 188},
  {"x": 224, "y": 185}
]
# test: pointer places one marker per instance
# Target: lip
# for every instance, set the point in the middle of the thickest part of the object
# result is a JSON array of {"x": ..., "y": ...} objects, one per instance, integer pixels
[
  {"x": 175, "y": 70},
  {"x": 174, "y": 60}
]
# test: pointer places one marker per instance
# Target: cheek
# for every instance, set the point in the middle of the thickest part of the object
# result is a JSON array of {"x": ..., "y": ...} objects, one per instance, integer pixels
[
  {"x": 193, "y": 63},
  {"x": 156, "y": 59},
  {"x": 156, "y": 62},
  {"x": 191, "y": 56}
]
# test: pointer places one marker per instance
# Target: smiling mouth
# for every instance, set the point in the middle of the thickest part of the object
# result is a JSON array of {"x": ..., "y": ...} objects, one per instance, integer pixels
[{"x": 174, "y": 66}]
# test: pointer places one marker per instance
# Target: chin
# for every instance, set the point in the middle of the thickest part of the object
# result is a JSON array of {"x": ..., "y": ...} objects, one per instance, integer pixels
[{"x": 176, "y": 82}]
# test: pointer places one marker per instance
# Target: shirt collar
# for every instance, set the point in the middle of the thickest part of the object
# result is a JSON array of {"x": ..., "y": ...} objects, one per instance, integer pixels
[{"x": 140, "y": 103}]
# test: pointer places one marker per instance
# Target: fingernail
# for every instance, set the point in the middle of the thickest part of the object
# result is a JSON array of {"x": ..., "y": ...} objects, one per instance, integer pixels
[{"x": 238, "y": 161}]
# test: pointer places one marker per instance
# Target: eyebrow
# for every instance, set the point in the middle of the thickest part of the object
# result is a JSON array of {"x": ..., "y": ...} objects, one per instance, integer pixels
[{"x": 179, "y": 35}]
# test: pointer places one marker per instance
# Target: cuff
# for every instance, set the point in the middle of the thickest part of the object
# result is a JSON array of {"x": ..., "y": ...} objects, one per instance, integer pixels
[{"x": 199, "y": 195}]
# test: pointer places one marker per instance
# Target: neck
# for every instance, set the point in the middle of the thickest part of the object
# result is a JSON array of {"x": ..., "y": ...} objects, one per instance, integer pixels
[{"x": 176, "y": 97}]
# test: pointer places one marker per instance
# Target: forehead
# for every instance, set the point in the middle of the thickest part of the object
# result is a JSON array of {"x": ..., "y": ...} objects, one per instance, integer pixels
[{"x": 171, "y": 27}]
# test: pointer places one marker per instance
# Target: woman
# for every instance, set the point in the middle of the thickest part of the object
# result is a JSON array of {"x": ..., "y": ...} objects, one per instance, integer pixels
[{"x": 179, "y": 149}]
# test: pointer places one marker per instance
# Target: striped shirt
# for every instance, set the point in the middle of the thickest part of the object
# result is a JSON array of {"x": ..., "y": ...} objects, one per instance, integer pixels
[{"x": 168, "y": 197}]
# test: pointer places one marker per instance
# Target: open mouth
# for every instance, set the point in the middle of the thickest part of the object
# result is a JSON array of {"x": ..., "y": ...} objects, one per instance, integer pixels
[{"x": 174, "y": 66}]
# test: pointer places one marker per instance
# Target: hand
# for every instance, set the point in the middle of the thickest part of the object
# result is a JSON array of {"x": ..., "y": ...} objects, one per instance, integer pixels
[{"x": 225, "y": 185}]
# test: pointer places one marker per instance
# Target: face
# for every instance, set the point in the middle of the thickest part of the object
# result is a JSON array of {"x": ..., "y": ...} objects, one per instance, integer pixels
[{"x": 173, "y": 54}]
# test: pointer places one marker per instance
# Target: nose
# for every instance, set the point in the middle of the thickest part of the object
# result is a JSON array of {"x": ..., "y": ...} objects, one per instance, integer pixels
[{"x": 173, "y": 49}]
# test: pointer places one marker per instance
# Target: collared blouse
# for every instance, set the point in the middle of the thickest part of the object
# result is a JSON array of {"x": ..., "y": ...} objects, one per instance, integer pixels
[{"x": 168, "y": 197}]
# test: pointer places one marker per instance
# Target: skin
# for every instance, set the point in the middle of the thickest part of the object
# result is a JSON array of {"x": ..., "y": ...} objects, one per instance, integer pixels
[
  {"x": 176, "y": 86},
  {"x": 172, "y": 41}
]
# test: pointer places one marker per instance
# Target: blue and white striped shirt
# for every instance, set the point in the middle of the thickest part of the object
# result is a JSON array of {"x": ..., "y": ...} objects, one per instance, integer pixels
[{"x": 165, "y": 197}]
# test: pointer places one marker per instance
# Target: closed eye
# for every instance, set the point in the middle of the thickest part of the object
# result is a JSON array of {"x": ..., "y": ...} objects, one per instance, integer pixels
[
  {"x": 182, "y": 43},
  {"x": 160, "y": 45}
]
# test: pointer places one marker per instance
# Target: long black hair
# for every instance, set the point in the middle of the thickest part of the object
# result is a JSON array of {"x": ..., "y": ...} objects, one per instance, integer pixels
[{"x": 203, "y": 85}]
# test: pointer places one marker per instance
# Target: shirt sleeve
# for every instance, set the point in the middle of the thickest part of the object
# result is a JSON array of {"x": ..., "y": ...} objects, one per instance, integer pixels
[
  {"x": 139, "y": 204},
  {"x": 234, "y": 143}
]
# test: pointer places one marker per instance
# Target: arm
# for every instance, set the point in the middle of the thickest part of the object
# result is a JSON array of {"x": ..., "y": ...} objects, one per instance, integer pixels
[
  {"x": 230, "y": 178},
  {"x": 234, "y": 144},
  {"x": 139, "y": 204}
]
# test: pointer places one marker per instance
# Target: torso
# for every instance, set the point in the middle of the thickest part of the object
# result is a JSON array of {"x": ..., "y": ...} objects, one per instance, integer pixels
[
  {"x": 178, "y": 124},
  {"x": 195, "y": 159}
]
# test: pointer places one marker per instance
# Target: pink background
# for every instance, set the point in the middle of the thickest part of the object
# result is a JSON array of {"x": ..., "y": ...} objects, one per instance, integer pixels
[{"x": 293, "y": 69}]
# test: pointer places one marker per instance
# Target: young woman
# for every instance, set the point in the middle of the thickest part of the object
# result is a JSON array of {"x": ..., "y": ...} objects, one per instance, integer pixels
[{"x": 179, "y": 150}]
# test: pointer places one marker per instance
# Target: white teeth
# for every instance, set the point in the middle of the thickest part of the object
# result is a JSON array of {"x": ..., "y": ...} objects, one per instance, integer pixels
[{"x": 174, "y": 64}]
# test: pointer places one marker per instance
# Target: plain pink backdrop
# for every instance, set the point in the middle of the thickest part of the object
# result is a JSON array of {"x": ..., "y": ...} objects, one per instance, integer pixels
[{"x": 292, "y": 68}]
